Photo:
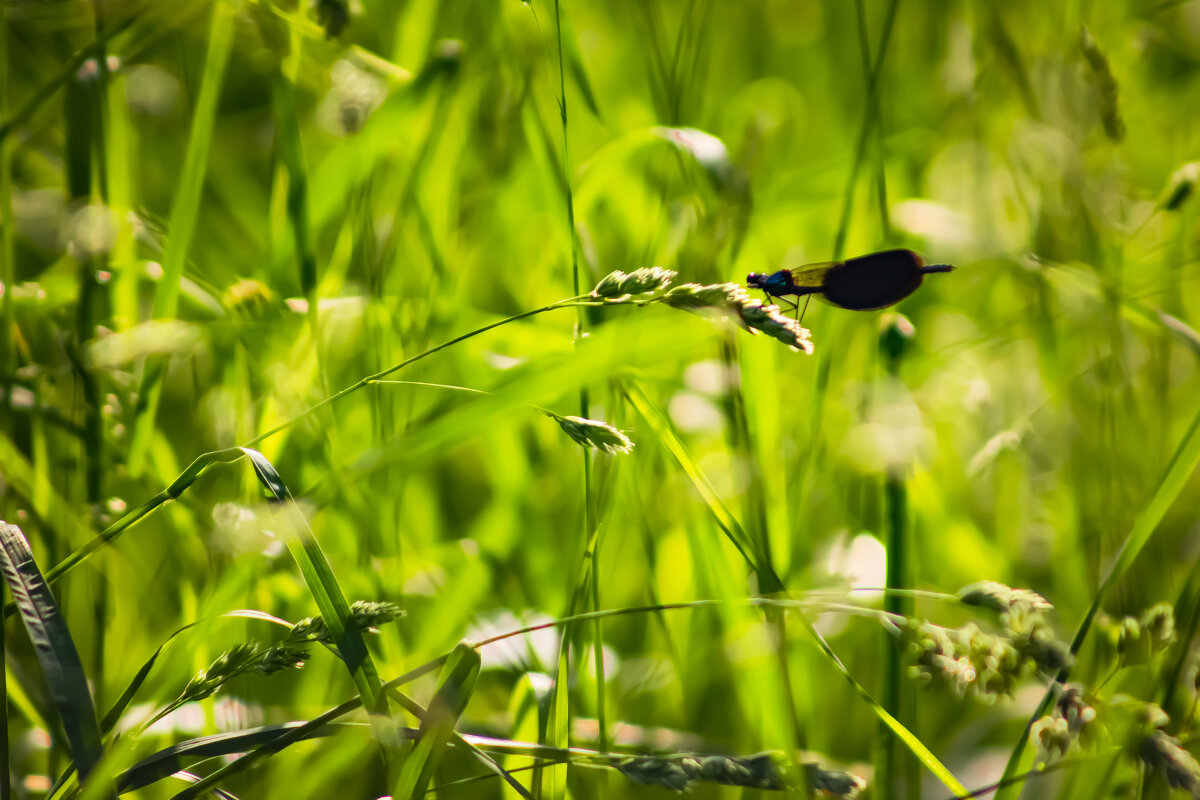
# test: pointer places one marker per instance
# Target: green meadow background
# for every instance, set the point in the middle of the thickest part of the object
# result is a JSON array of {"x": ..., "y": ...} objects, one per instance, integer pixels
[{"x": 215, "y": 215}]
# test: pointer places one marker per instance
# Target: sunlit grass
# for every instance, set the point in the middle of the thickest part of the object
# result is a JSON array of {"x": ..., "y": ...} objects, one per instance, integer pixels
[{"x": 304, "y": 308}]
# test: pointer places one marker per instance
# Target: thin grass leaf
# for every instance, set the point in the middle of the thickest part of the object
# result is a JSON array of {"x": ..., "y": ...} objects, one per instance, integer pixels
[
  {"x": 455, "y": 685},
  {"x": 577, "y": 69},
  {"x": 21, "y": 478},
  {"x": 68, "y": 70},
  {"x": 870, "y": 119},
  {"x": 191, "y": 777},
  {"x": 457, "y": 740},
  {"x": 170, "y": 760},
  {"x": 558, "y": 724},
  {"x": 910, "y": 740},
  {"x": 1175, "y": 477},
  {"x": 319, "y": 577},
  {"x": 54, "y": 646},
  {"x": 176, "y": 488},
  {"x": 768, "y": 581}
]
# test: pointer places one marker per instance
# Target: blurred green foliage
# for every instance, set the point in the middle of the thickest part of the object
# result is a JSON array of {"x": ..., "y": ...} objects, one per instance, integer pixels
[{"x": 216, "y": 214}]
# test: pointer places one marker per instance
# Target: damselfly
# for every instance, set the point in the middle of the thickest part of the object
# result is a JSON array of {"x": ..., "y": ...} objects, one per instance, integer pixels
[{"x": 865, "y": 283}]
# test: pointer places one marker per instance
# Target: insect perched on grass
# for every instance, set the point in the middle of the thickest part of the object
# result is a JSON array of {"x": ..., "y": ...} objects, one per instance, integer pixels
[{"x": 865, "y": 283}]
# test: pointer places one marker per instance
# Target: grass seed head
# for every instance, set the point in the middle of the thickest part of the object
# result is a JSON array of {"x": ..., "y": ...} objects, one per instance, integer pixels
[
  {"x": 1163, "y": 754},
  {"x": 1141, "y": 639},
  {"x": 646, "y": 280},
  {"x": 833, "y": 782},
  {"x": 896, "y": 333},
  {"x": 285, "y": 655},
  {"x": 367, "y": 615},
  {"x": 730, "y": 299},
  {"x": 238, "y": 659},
  {"x": 758, "y": 771},
  {"x": 593, "y": 433},
  {"x": 1002, "y": 599},
  {"x": 769, "y": 320},
  {"x": 650, "y": 771},
  {"x": 1180, "y": 186},
  {"x": 1106, "y": 84}
]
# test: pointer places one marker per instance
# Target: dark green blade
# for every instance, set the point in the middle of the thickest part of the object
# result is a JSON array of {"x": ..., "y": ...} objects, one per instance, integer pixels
[{"x": 56, "y": 652}]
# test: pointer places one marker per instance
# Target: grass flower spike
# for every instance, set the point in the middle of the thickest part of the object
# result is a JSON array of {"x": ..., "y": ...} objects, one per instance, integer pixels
[
  {"x": 732, "y": 300},
  {"x": 592, "y": 433},
  {"x": 620, "y": 285}
]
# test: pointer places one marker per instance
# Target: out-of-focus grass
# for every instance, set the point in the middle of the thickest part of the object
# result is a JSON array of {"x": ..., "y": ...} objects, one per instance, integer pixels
[{"x": 415, "y": 162}]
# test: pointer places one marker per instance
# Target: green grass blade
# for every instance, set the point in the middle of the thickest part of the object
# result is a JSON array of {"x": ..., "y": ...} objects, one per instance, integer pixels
[
  {"x": 169, "y": 760},
  {"x": 54, "y": 646},
  {"x": 1174, "y": 478},
  {"x": 910, "y": 740},
  {"x": 457, "y": 740},
  {"x": 67, "y": 72},
  {"x": 319, "y": 577},
  {"x": 455, "y": 685},
  {"x": 768, "y": 581},
  {"x": 172, "y": 492}
]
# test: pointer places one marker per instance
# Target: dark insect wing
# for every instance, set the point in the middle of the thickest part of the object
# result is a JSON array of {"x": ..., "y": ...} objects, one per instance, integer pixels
[
  {"x": 812, "y": 275},
  {"x": 876, "y": 280}
]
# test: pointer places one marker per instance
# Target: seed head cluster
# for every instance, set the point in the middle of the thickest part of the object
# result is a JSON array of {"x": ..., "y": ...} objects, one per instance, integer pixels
[
  {"x": 291, "y": 653},
  {"x": 619, "y": 286},
  {"x": 1071, "y": 722},
  {"x": 649, "y": 285},
  {"x": 1140, "y": 639},
  {"x": 987, "y": 665},
  {"x": 730, "y": 299},
  {"x": 769, "y": 771},
  {"x": 593, "y": 433}
]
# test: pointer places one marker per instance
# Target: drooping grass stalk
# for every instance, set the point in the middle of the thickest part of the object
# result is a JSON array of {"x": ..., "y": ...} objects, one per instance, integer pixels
[{"x": 314, "y": 725}]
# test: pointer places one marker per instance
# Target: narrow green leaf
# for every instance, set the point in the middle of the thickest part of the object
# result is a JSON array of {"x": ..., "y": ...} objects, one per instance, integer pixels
[
  {"x": 176, "y": 488},
  {"x": 768, "y": 581},
  {"x": 910, "y": 740},
  {"x": 576, "y": 68},
  {"x": 319, "y": 577},
  {"x": 457, "y": 740},
  {"x": 55, "y": 648},
  {"x": 455, "y": 685},
  {"x": 171, "y": 759},
  {"x": 1174, "y": 478}
]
